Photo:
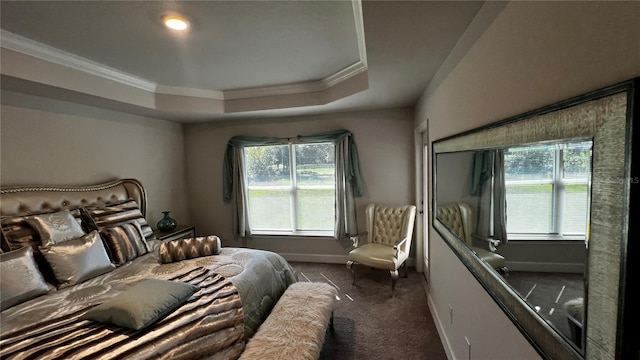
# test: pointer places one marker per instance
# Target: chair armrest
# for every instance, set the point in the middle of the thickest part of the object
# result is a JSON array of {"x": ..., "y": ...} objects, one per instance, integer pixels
[
  {"x": 400, "y": 244},
  {"x": 488, "y": 243},
  {"x": 355, "y": 239}
]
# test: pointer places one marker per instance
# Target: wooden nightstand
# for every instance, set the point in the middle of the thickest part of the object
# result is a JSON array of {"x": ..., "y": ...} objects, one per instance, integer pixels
[{"x": 180, "y": 232}]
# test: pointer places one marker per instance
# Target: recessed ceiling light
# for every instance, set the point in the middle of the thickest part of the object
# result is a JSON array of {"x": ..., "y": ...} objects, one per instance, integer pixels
[{"x": 175, "y": 22}]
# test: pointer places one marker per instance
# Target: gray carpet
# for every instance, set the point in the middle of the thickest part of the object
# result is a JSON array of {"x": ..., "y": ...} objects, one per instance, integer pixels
[
  {"x": 369, "y": 323},
  {"x": 547, "y": 292}
]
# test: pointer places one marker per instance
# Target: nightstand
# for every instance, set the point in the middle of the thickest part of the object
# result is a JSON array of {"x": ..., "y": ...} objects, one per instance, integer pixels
[{"x": 179, "y": 233}]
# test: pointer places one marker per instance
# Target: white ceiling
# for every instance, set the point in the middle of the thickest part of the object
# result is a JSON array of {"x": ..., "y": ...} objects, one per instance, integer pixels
[{"x": 238, "y": 59}]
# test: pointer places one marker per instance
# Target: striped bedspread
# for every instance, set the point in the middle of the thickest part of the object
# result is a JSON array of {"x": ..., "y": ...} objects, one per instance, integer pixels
[{"x": 210, "y": 325}]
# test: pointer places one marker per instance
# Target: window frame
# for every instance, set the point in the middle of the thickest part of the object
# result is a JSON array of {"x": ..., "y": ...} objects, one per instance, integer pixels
[
  {"x": 292, "y": 189},
  {"x": 558, "y": 187}
]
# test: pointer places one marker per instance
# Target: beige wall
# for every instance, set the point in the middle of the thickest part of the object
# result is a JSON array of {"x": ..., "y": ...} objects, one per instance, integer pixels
[
  {"x": 385, "y": 144},
  {"x": 534, "y": 54},
  {"x": 47, "y": 141}
]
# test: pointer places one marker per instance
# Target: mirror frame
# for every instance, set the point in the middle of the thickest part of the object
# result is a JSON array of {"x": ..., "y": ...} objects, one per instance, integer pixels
[{"x": 607, "y": 116}]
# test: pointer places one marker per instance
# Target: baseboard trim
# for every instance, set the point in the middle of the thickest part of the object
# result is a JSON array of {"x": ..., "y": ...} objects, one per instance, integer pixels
[
  {"x": 316, "y": 258},
  {"x": 326, "y": 259},
  {"x": 440, "y": 328},
  {"x": 545, "y": 267}
]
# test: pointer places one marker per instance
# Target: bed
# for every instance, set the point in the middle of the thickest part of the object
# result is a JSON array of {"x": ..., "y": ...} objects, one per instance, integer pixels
[{"x": 236, "y": 288}]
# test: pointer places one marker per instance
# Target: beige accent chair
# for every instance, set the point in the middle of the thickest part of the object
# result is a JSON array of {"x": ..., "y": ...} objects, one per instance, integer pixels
[
  {"x": 457, "y": 217},
  {"x": 389, "y": 234}
]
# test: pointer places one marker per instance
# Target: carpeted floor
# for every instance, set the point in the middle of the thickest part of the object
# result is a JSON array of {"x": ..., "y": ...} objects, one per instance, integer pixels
[
  {"x": 547, "y": 293},
  {"x": 369, "y": 323}
]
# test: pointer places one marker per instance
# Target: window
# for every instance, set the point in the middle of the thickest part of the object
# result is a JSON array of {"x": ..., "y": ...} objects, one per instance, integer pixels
[
  {"x": 547, "y": 190},
  {"x": 291, "y": 188}
]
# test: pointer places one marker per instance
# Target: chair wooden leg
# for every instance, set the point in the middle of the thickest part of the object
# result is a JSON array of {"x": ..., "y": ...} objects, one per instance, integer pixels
[
  {"x": 394, "y": 278},
  {"x": 331, "y": 327},
  {"x": 353, "y": 272},
  {"x": 406, "y": 274}
]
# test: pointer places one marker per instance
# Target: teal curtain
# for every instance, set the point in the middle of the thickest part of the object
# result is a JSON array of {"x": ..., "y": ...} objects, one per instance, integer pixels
[
  {"x": 353, "y": 173},
  {"x": 499, "y": 198},
  {"x": 349, "y": 180},
  {"x": 488, "y": 184},
  {"x": 482, "y": 170},
  {"x": 238, "y": 142}
]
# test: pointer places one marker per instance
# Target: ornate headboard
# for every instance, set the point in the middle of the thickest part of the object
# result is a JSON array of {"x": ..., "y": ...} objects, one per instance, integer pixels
[{"x": 24, "y": 200}]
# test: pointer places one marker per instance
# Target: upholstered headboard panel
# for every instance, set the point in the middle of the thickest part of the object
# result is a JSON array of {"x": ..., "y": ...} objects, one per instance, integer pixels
[
  {"x": 457, "y": 217},
  {"x": 24, "y": 200}
]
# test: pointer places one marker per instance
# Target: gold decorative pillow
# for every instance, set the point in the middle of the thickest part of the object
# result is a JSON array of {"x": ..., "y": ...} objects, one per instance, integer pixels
[
  {"x": 20, "y": 279},
  {"x": 178, "y": 250},
  {"x": 77, "y": 260},
  {"x": 56, "y": 227}
]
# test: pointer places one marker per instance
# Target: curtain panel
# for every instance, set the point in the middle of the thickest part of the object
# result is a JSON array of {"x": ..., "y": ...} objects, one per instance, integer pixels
[
  {"x": 349, "y": 181},
  {"x": 488, "y": 184}
]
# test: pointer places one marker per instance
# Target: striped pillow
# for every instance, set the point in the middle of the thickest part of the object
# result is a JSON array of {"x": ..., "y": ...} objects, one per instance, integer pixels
[
  {"x": 124, "y": 242},
  {"x": 101, "y": 216}
]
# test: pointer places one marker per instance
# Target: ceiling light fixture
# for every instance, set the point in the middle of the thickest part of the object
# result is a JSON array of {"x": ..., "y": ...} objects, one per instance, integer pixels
[{"x": 175, "y": 22}]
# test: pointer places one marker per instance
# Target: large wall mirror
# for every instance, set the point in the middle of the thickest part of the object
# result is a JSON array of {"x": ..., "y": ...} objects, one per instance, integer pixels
[{"x": 539, "y": 207}]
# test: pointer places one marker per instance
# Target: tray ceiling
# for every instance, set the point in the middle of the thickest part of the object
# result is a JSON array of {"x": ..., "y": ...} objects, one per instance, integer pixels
[{"x": 238, "y": 58}]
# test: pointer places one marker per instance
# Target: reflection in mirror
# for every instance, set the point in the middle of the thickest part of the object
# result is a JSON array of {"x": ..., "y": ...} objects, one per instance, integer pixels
[
  {"x": 547, "y": 190},
  {"x": 524, "y": 210},
  {"x": 540, "y": 217}
]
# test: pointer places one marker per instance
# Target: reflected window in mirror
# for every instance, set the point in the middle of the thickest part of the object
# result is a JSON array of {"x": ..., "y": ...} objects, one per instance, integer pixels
[
  {"x": 524, "y": 210},
  {"x": 548, "y": 190}
]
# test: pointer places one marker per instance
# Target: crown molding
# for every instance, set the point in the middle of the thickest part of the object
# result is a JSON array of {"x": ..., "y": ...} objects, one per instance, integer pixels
[
  {"x": 345, "y": 74},
  {"x": 50, "y": 54},
  {"x": 192, "y": 92},
  {"x": 274, "y": 90},
  {"x": 53, "y": 55},
  {"x": 358, "y": 18},
  {"x": 297, "y": 88}
]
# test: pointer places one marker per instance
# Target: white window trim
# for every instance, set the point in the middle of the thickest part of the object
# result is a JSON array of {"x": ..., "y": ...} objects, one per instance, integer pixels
[
  {"x": 558, "y": 185},
  {"x": 325, "y": 234},
  {"x": 293, "y": 189}
]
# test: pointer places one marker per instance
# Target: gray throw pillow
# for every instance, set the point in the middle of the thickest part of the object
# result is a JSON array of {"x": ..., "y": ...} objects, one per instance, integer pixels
[
  {"x": 17, "y": 233},
  {"x": 20, "y": 279},
  {"x": 77, "y": 260},
  {"x": 56, "y": 227},
  {"x": 143, "y": 304}
]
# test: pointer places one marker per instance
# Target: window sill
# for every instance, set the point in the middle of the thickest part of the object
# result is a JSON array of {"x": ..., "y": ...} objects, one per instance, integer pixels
[
  {"x": 305, "y": 234},
  {"x": 548, "y": 237}
]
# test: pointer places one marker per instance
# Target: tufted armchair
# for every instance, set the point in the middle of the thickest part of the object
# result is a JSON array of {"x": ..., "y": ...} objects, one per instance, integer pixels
[
  {"x": 389, "y": 235},
  {"x": 457, "y": 217}
]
